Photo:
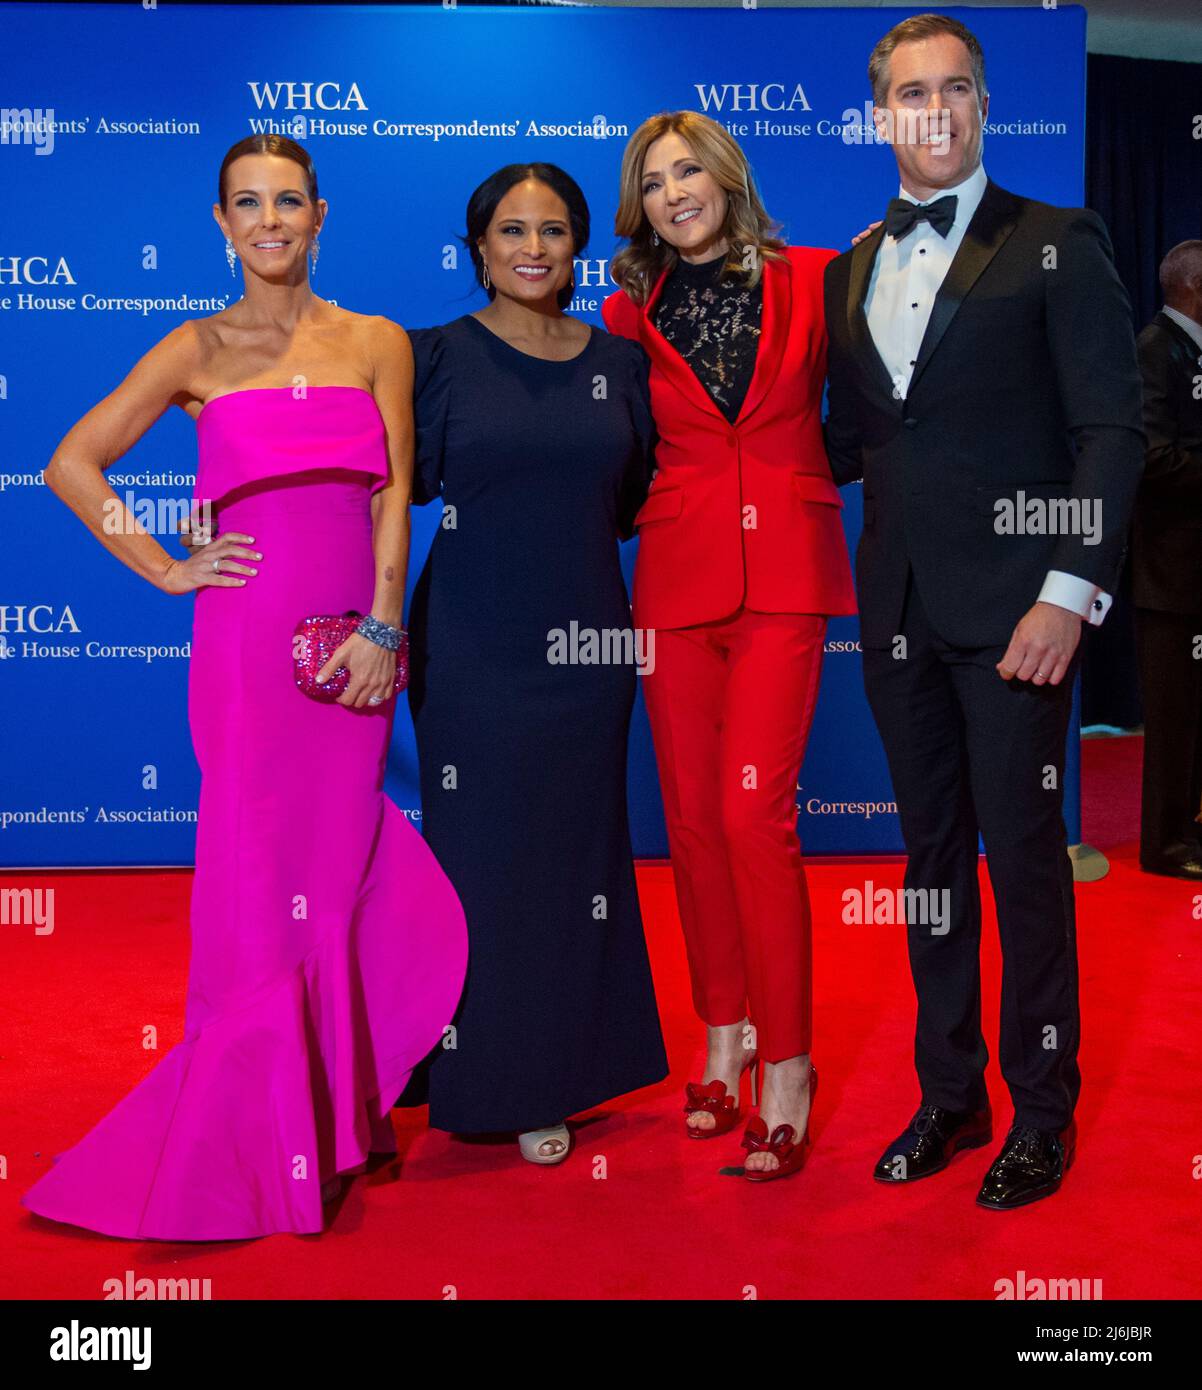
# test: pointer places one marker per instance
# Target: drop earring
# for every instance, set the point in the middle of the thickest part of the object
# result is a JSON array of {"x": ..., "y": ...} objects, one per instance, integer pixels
[
  {"x": 654, "y": 238},
  {"x": 314, "y": 251},
  {"x": 230, "y": 254}
]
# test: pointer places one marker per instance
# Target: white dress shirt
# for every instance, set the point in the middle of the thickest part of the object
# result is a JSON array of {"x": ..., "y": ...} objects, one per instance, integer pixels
[
  {"x": 905, "y": 279},
  {"x": 1191, "y": 326}
]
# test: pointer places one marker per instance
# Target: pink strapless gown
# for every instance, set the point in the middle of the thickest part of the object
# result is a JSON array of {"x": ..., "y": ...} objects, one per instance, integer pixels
[{"x": 328, "y": 947}]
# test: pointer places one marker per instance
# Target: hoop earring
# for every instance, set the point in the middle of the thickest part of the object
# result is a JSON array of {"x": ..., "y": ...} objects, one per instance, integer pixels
[
  {"x": 487, "y": 280},
  {"x": 230, "y": 254},
  {"x": 314, "y": 251}
]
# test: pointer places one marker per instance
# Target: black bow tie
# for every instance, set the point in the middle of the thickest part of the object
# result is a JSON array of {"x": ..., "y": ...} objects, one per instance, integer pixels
[{"x": 903, "y": 216}]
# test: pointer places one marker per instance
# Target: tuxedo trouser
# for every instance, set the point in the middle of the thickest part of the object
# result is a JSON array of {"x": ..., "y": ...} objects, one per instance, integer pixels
[
  {"x": 730, "y": 705},
  {"x": 969, "y": 751},
  {"x": 1171, "y": 680}
]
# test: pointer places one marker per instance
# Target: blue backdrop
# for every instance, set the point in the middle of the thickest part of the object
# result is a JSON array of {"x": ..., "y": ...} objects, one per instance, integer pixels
[{"x": 108, "y": 242}]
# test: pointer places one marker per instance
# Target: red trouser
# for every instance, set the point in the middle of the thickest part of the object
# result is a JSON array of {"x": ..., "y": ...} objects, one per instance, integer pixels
[{"x": 730, "y": 705}]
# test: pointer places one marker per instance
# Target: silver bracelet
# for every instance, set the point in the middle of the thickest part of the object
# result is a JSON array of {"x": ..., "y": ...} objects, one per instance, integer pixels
[{"x": 380, "y": 633}]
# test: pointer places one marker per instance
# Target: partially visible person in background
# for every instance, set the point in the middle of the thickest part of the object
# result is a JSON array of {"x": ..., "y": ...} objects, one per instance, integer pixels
[{"x": 1166, "y": 559}]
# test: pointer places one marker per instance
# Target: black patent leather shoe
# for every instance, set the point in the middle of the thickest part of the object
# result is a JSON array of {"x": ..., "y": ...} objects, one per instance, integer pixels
[
  {"x": 1179, "y": 860},
  {"x": 1031, "y": 1165},
  {"x": 933, "y": 1136}
]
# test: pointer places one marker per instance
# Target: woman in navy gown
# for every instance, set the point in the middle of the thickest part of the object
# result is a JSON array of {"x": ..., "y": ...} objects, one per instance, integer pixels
[{"x": 536, "y": 430}]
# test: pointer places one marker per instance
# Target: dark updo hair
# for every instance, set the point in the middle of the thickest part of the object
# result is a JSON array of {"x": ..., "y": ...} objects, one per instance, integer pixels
[
  {"x": 483, "y": 204},
  {"x": 269, "y": 144}
]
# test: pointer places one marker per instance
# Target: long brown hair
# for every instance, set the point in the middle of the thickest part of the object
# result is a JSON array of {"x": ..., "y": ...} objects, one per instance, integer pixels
[{"x": 637, "y": 266}]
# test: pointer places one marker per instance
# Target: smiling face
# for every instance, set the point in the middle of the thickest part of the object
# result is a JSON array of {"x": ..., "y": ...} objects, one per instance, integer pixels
[
  {"x": 528, "y": 246},
  {"x": 683, "y": 202},
  {"x": 269, "y": 216},
  {"x": 933, "y": 114}
]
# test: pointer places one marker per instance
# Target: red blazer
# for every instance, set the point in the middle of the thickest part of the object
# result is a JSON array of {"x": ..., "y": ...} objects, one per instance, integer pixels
[{"x": 744, "y": 513}]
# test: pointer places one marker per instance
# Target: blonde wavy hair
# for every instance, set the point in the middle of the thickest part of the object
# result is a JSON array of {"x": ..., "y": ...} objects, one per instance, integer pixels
[{"x": 637, "y": 266}]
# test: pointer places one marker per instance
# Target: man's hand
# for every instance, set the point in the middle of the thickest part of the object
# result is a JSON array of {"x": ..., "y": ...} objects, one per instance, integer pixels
[{"x": 1041, "y": 646}]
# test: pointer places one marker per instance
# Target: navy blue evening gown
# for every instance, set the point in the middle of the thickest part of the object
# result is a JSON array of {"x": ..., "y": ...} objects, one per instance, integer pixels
[{"x": 540, "y": 467}]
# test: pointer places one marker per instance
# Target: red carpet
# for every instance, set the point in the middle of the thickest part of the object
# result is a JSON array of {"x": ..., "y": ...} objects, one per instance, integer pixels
[{"x": 637, "y": 1211}]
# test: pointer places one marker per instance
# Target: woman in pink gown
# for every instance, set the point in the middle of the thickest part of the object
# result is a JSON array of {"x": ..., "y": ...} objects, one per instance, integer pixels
[{"x": 328, "y": 948}]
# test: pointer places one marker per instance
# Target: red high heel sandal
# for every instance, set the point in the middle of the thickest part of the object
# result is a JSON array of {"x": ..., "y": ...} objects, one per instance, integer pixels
[
  {"x": 790, "y": 1157},
  {"x": 712, "y": 1097}
]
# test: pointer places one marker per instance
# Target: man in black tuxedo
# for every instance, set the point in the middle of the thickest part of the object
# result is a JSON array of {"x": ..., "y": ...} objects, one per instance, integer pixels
[
  {"x": 983, "y": 385},
  {"x": 1166, "y": 571}
]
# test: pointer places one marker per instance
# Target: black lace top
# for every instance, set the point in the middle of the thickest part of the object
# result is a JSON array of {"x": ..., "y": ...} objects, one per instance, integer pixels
[{"x": 715, "y": 326}]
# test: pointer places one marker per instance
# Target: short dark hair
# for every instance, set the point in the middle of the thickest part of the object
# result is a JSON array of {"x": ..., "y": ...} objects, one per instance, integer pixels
[
  {"x": 924, "y": 26},
  {"x": 1181, "y": 269},
  {"x": 483, "y": 204},
  {"x": 269, "y": 144}
]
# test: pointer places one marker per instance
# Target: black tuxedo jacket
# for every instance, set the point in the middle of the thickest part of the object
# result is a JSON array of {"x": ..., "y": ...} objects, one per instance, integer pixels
[
  {"x": 1166, "y": 539},
  {"x": 1026, "y": 388}
]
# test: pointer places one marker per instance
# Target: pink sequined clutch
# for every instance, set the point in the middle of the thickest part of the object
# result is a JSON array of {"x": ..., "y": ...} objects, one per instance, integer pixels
[{"x": 316, "y": 639}]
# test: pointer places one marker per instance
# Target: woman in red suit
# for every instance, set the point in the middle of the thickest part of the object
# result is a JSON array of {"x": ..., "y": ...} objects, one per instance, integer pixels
[{"x": 741, "y": 561}]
